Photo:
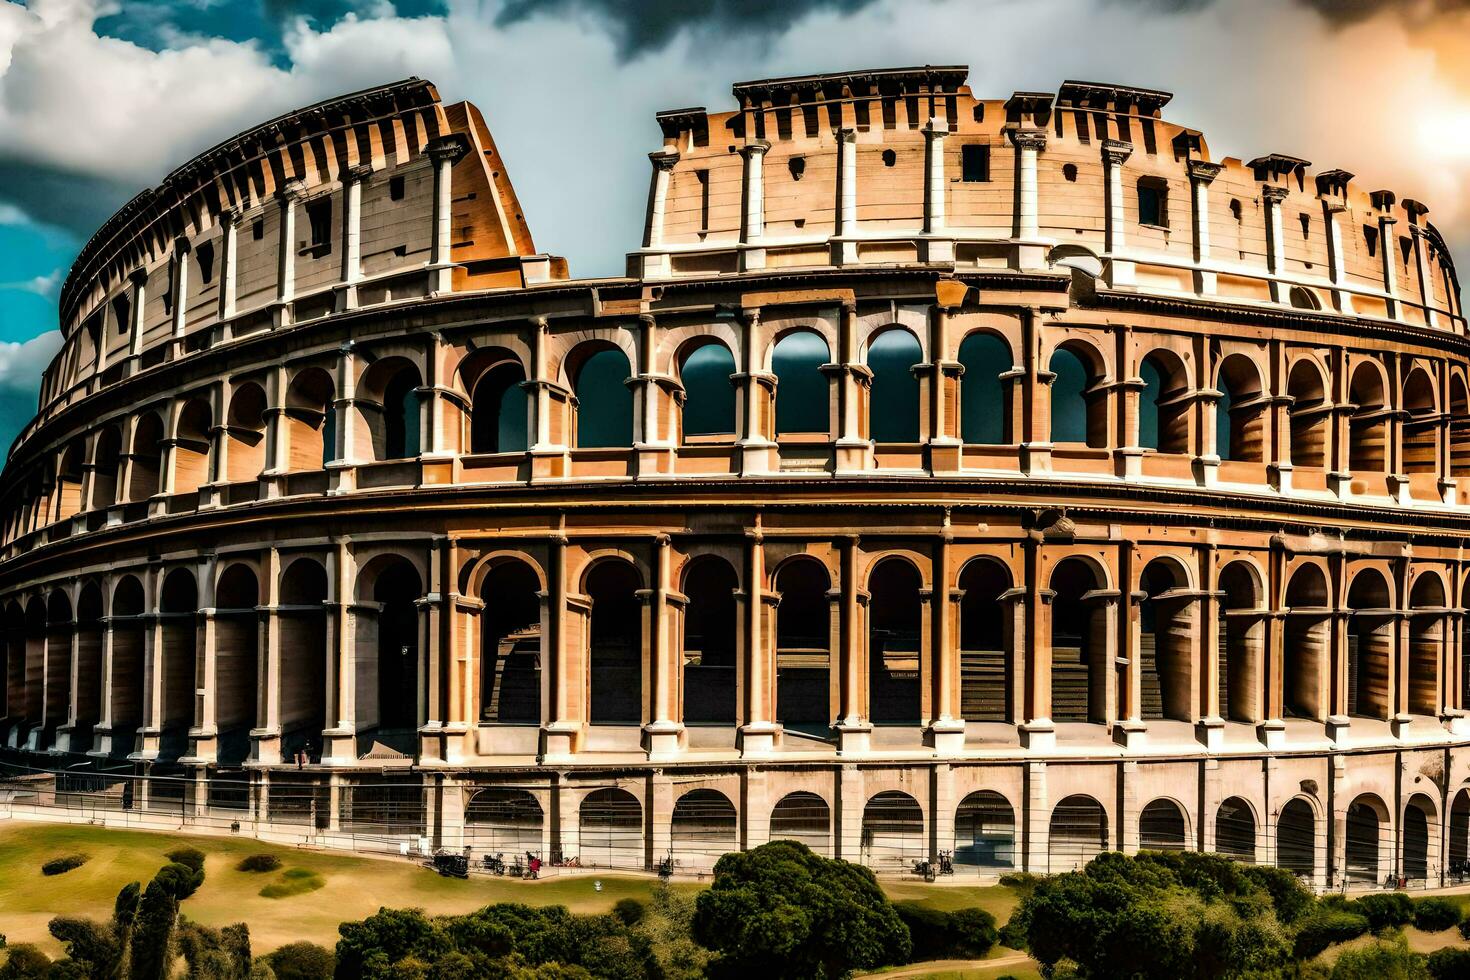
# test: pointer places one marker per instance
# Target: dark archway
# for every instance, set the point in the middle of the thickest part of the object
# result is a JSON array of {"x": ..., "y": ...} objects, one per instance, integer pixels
[
  {"x": 604, "y": 401},
  {"x": 1078, "y": 406},
  {"x": 1370, "y": 634},
  {"x": 985, "y": 642},
  {"x": 1164, "y": 404},
  {"x": 985, "y": 831},
  {"x": 1368, "y": 429},
  {"x": 611, "y": 830},
  {"x": 1304, "y": 648},
  {"x": 616, "y": 644},
  {"x": 801, "y": 387},
  {"x": 1079, "y": 652},
  {"x": 302, "y": 693},
  {"x": 1310, "y": 414},
  {"x": 1367, "y": 820},
  {"x": 510, "y": 650},
  {"x": 894, "y": 404},
  {"x": 1235, "y": 830},
  {"x": 179, "y": 639},
  {"x": 499, "y": 409},
  {"x": 1161, "y": 827},
  {"x": 706, "y": 370},
  {"x": 1420, "y": 828},
  {"x": 804, "y": 647},
  {"x": 237, "y": 638},
  {"x": 1242, "y": 642},
  {"x": 806, "y": 818},
  {"x": 1296, "y": 839},
  {"x": 710, "y": 633},
  {"x": 1078, "y": 832},
  {"x": 985, "y": 417},
  {"x": 126, "y": 710},
  {"x": 398, "y": 699},
  {"x": 1240, "y": 414},
  {"x": 895, "y": 619},
  {"x": 1427, "y": 628}
]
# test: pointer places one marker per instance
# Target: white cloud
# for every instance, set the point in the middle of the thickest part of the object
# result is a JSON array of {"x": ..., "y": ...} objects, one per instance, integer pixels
[{"x": 21, "y": 364}]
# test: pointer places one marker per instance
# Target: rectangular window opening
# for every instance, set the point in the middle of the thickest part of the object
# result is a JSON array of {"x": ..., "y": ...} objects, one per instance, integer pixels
[
  {"x": 319, "y": 215},
  {"x": 975, "y": 163},
  {"x": 395, "y": 188},
  {"x": 1153, "y": 202}
]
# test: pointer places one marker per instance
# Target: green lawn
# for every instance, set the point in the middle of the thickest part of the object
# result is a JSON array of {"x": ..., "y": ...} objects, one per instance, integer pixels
[
  {"x": 999, "y": 900},
  {"x": 350, "y": 887}
]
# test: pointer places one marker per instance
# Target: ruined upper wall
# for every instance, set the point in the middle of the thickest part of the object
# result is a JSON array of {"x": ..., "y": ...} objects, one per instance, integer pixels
[{"x": 906, "y": 165}]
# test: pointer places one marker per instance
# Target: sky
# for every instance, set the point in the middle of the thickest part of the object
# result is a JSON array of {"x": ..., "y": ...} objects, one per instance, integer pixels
[{"x": 101, "y": 98}]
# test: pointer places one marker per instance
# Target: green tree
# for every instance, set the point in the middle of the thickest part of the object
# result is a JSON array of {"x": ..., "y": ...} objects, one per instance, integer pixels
[
  {"x": 214, "y": 954},
  {"x": 1390, "y": 960},
  {"x": 302, "y": 961},
  {"x": 25, "y": 962},
  {"x": 781, "y": 911},
  {"x": 92, "y": 946}
]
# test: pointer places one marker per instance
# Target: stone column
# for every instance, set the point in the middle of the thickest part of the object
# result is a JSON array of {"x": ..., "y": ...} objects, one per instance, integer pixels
[
  {"x": 854, "y": 450},
  {"x": 1117, "y": 271},
  {"x": 1421, "y": 270},
  {"x": 277, "y": 443},
  {"x": 938, "y": 247},
  {"x": 1386, "y": 246},
  {"x": 652, "y": 444},
  {"x": 352, "y": 180},
  {"x": 948, "y": 725},
  {"x": 1029, "y": 252},
  {"x": 1202, "y": 173},
  {"x": 342, "y": 469},
  {"x": 844, "y": 244},
  {"x": 753, "y": 222},
  {"x": 945, "y": 444},
  {"x": 562, "y": 729},
  {"x": 138, "y": 279},
  {"x": 444, "y": 152},
  {"x": 663, "y": 732},
  {"x": 1211, "y": 727},
  {"x": 267, "y": 734},
  {"x": 292, "y": 192},
  {"x": 1342, "y": 299},
  {"x": 1038, "y": 733},
  {"x": 655, "y": 261},
  {"x": 180, "y": 299},
  {"x": 1271, "y": 198},
  {"x": 757, "y": 736},
  {"x": 853, "y": 728},
  {"x": 757, "y": 400},
  {"x": 548, "y": 458},
  {"x": 229, "y": 221}
]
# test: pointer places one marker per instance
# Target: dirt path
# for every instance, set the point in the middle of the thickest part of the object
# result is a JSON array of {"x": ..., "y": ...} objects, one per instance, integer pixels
[{"x": 940, "y": 966}]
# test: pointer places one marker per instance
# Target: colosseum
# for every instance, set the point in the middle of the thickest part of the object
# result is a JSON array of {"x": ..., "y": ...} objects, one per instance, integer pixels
[{"x": 1005, "y": 478}]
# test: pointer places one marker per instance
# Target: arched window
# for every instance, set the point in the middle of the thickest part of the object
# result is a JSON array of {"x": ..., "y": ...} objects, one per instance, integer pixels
[
  {"x": 1161, "y": 827},
  {"x": 893, "y": 831},
  {"x": 1077, "y": 413},
  {"x": 709, "y": 643},
  {"x": 1078, "y": 644},
  {"x": 498, "y": 412},
  {"x": 302, "y": 689},
  {"x": 985, "y": 676},
  {"x": 503, "y": 821},
  {"x": 388, "y": 399},
  {"x": 1235, "y": 830},
  {"x": 704, "y": 827},
  {"x": 245, "y": 458},
  {"x": 1240, "y": 414},
  {"x": 191, "y": 448},
  {"x": 1371, "y": 628},
  {"x": 311, "y": 420},
  {"x": 1296, "y": 838},
  {"x": 237, "y": 632},
  {"x": 616, "y": 647},
  {"x": 58, "y": 664},
  {"x": 89, "y": 665},
  {"x": 1459, "y": 465},
  {"x": 1305, "y": 643},
  {"x": 178, "y": 631},
  {"x": 709, "y": 394},
  {"x": 1368, "y": 428},
  {"x": 1421, "y": 428},
  {"x": 985, "y": 831},
  {"x": 611, "y": 830},
  {"x": 1420, "y": 826},
  {"x": 147, "y": 455},
  {"x": 803, "y": 647},
  {"x": 1078, "y": 833},
  {"x": 604, "y": 401},
  {"x": 1163, "y": 405},
  {"x": 984, "y": 401},
  {"x": 1167, "y": 628},
  {"x": 895, "y": 618},
  {"x": 1310, "y": 412},
  {"x": 803, "y": 817},
  {"x": 894, "y": 404},
  {"x": 128, "y": 663},
  {"x": 510, "y": 656},
  {"x": 69, "y": 473},
  {"x": 105, "y": 459},
  {"x": 1366, "y": 818},
  {"x": 1426, "y": 636},
  {"x": 801, "y": 388},
  {"x": 390, "y": 707},
  {"x": 1242, "y": 641}
]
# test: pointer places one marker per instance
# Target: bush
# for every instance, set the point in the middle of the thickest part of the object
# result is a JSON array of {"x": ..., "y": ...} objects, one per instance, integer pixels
[
  {"x": 302, "y": 961},
  {"x": 26, "y": 962},
  {"x": 1384, "y": 909},
  {"x": 259, "y": 863},
  {"x": 1435, "y": 914},
  {"x": 1450, "y": 963},
  {"x": 180, "y": 879},
  {"x": 190, "y": 857},
  {"x": 630, "y": 911},
  {"x": 1380, "y": 961},
  {"x": 1012, "y": 935},
  {"x": 967, "y": 934},
  {"x": 1322, "y": 929},
  {"x": 61, "y": 865}
]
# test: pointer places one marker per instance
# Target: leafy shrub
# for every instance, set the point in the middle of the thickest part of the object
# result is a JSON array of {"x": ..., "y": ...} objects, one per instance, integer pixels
[
  {"x": 1288, "y": 897},
  {"x": 1012, "y": 935},
  {"x": 61, "y": 865},
  {"x": 259, "y": 863},
  {"x": 1435, "y": 914},
  {"x": 1450, "y": 963},
  {"x": 302, "y": 961},
  {"x": 1380, "y": 961},
  {"x": 213, "y": 954},
  {"x": 180, "y": 879},
  {"x": 1384, "y": 909},
  {"x": 1322, "y": 929},
  {"x": 25, "y": 962},
  {"x": 630, "y": 911},
  {"x": 293, "y": 881},
  {"x": 190, "y": 857},
  {"x": 966, "y": 934}
]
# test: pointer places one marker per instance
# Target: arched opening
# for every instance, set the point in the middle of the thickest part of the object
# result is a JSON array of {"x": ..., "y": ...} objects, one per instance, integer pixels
[
  {"x": 1166, "y": 642},
  {"x": 302, "y": 694},
  {"x": 1370, "y": 647},
  {"x": 1459, "y": 423},
  {"x": 499, "y": 409},
  {"x": 126, "y": 714},
  {"x": 803, "y": 647},
  {"x": 1078, "y": 403},
  {"x": 894, "y": 404},
  {"x": 801, "y": 387},
  {"x": 510, "y": 651},
  {"x": 985, "y": 416},
  {"x": 1240, "y": 414},
  {"x": 985, "y": 642},
  {"x": 1426, "y": 642},
  {"x": 893, "y": 831},
  {"x": 1235, "y": 830},
  {"x": 389, "y": 673},
  {"x": 147, "y": 456},
  {"x": 503, "y": 821},
  {"x": 58, "y": 665},
  {"x": 704, "y": 828},
  {"x": 805, "y": 818},
  {"x": 1296, "y": 839},
  {"x": 1305, "y": 639},
  {"x": 611, "y": 830},
  {"x": 69, "y": 473},
  {"x": 1367, "y": 819},
  {"x": 179, "y": 635},
  {"x": 1368, "y": 427},
  {"x": 1161, "y": 827},
  {"x": 387, "y": 402},
  {"x": 604, "y": 416},
  {"x": 1310, "y": 414},
  {"x": 35, "y": 661},
  {"x": 1421, "y": 427},
  {"x": 15, "y": 671},
  {"x": 1459, "y": 842},
  {"x": 895, "y": 618},
  {"x": 705, "y": 370},
  {"x": 106, "y": 459},
  {"x": 245, "y": 458},
  {"x": 1242, "y": 641},
  {"x": 191, "y": 446},
  {"x": 1078, "y": 832},
  {"x": 710, "y": 634},
  {"x": 1421, "y": 826},
  {"x": 1079, "y": 647},
  {"x": 985, "y": 831},
  {"x": 311, "y": 420},
  {"x": 236, "y": 643},
  {"x": 89, "y": 665},
  {"x": 1164, "y": 403},
  {"x": 616, "y": 644}
]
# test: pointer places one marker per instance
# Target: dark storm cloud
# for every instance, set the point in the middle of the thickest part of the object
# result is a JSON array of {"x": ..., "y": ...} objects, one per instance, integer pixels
[
  {"x": 648, "y": 25},
  {"x": 78, "y": 203},
  {"x": 1336, "y": 11}
]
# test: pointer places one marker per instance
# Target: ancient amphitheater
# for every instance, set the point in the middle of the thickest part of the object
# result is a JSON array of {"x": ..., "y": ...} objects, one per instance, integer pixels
[{"x": 1007, "y": 477}]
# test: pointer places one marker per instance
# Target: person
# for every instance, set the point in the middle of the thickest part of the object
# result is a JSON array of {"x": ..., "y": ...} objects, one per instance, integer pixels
[{"x": 535, "y": 864}]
